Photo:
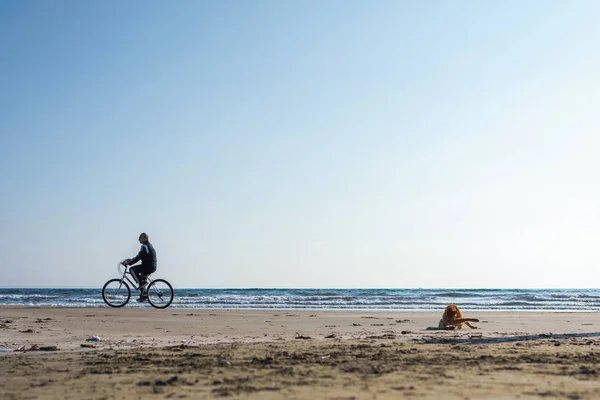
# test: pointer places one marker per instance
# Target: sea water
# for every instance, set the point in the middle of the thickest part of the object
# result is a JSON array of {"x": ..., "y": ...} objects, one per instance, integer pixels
[{"x": 332, "y": 299}]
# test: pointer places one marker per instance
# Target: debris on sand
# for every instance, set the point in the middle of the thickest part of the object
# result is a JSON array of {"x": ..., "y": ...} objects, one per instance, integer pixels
[
  {"x": 35, "y": 347},
  {"x": 301, "y": 336},
  {"x": 384, "y": 336}
]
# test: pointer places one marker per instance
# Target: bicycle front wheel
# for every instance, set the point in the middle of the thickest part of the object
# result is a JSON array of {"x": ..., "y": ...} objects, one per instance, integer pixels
[
  {"x": 160, "y": 293},
  {"x": 116, "y": 293}
]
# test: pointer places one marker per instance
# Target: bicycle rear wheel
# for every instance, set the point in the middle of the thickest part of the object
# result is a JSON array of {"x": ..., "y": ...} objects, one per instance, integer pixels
[
  {"x": 160, "y": 293},
  {"x": 116, "y": 293}
]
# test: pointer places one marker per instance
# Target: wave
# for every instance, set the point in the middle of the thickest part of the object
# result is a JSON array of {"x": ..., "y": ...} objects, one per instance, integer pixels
[
  {"x": 457, "y": 294},
  {"x": 587, "y": 296}
]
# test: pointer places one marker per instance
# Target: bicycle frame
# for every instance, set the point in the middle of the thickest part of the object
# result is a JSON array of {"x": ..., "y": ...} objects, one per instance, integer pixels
[{"x": 131, "y": 281}]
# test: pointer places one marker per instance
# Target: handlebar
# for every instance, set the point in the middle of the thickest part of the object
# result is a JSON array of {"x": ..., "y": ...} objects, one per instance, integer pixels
[{"x": 121, "y": 264}]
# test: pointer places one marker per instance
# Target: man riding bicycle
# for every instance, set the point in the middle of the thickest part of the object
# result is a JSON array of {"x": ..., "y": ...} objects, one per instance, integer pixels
[{"x": 148, "y": 265}]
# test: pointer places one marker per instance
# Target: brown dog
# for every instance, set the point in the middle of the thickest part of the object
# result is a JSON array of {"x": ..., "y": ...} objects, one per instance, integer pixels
[{"x": 453, "y": 317}]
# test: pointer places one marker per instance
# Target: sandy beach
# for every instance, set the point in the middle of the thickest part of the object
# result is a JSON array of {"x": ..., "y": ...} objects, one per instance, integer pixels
[{"x": 178, "y": 353}]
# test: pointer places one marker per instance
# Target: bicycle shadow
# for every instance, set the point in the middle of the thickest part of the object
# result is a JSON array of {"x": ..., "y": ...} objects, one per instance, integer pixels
[{"x": 474, "y": 338}]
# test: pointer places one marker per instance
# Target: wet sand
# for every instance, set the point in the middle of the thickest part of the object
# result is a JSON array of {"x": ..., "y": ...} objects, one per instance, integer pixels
[{"x": 294, "y": 354}]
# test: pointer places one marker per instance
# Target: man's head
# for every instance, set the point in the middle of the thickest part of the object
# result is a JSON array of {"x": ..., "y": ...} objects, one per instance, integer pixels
[{"x": 143, "y": 237}]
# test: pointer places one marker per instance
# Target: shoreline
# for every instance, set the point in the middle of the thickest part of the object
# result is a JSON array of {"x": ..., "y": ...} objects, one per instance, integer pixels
[{"x": 68, "y": 327}]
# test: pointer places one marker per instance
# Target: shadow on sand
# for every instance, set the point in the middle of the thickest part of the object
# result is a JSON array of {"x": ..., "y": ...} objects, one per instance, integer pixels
[{"x": 471, "y": 338}]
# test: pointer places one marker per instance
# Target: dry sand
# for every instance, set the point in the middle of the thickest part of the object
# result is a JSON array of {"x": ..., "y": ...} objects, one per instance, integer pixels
[{"x": 147, "y": 353}]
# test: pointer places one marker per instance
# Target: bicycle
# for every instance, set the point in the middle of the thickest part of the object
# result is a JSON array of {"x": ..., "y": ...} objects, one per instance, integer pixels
[{"x": 116, "y": 292}]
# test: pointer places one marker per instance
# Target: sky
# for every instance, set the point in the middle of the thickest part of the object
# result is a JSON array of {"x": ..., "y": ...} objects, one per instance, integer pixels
[{"x": 295, "y": 144}]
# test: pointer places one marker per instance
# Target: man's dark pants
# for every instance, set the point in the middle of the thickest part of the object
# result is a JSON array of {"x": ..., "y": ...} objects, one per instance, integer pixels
[{"x": 140, "y": 272}]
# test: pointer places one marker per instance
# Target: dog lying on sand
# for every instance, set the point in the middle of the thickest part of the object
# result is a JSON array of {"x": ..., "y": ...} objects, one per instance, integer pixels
[{"x": 453, "y": 319}]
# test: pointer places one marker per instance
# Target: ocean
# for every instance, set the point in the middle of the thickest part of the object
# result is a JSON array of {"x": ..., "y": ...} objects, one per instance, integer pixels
[{"x": 581, "y": 300}]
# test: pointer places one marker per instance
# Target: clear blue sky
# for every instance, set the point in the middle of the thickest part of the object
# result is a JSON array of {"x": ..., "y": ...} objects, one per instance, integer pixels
[{"x": 301, "y": 144}]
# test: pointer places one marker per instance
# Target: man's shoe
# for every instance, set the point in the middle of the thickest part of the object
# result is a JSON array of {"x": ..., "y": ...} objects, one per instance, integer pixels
[{"x": 142, "y": 298}]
